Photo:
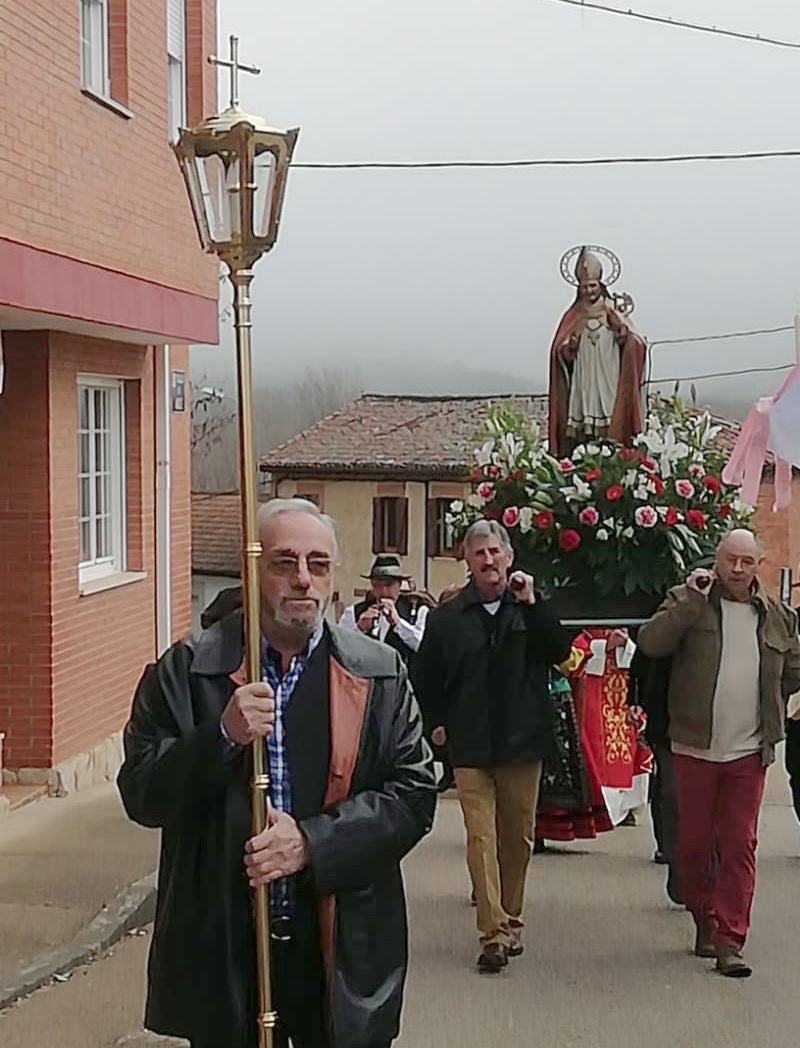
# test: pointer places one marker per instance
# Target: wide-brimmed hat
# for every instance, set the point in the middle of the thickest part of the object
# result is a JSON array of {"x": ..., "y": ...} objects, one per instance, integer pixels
[{"x": 386, "y": 568}]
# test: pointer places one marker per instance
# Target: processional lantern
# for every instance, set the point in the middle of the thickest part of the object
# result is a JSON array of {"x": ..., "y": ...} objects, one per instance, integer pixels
[{"x": 235, "y": 167}]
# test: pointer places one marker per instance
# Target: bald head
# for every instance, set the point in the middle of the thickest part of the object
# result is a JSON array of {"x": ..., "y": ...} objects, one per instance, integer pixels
[{"x": 737, "y": 561}]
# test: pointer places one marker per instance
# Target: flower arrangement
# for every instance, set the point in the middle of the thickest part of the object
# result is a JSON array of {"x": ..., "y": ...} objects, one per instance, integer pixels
[{"x": 626, "y": 519}]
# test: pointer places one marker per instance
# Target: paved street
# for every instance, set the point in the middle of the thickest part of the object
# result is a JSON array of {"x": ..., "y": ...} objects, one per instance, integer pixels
[{"x": 606, "y": 964}]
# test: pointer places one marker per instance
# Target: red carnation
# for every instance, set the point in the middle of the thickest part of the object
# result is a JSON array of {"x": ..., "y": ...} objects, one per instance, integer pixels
[
  {"x": 671, "y": 517},
  {"x": 476, "y": 474},
  {"x": 494, "y": 471},
  {"x": 628, "y": 454},
  {"x": 724, "y": 511},
  {"x": 544, "y": 520},
  {"x": 591, "y": 474},
  {"x": 569, "y": 540},
  {"x": 696, "y": 519},
  {"x": 615, "y": 492},
  {"x": 657, "y": 484},
  {"x": 649, "y": 465},
  {"x": 712, "y": 484}
]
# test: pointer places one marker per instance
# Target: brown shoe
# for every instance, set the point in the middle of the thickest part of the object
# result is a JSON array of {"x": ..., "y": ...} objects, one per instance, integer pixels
[
  {"x": 731, "y": 963},
  {"x": 703, "y": 943},
  {"x": 493, "y": 958}
]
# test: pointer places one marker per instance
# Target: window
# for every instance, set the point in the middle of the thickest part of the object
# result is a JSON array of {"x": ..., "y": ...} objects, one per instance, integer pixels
[
  {"x": 442, "y": 541},
  {"x": 101, "y": 483},
  {"x": 390, "y": 526},
  {"x": 176, "y": 66},
  {"x": 94, "y": 47}
]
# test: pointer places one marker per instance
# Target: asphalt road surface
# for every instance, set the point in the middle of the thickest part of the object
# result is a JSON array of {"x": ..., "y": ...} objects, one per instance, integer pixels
[{"x": 606, "y": 963}]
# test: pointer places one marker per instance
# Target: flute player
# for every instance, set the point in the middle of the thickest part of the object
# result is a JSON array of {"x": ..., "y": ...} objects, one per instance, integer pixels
[{"x": 352, "y": 791}]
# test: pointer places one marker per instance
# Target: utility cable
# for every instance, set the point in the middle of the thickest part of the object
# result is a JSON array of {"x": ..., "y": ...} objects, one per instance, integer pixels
[
  {"x": 410, "y": 165},
  {"x": 678, "y": 23}
]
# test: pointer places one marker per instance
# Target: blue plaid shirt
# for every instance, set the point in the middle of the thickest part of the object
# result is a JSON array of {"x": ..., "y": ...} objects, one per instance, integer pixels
[{"x": 280, "y": 785}]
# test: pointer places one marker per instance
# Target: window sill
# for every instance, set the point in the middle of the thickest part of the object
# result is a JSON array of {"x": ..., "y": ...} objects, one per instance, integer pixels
[
  {"x": 108, "y": 103},
  {"x": 108, "y": 582}
]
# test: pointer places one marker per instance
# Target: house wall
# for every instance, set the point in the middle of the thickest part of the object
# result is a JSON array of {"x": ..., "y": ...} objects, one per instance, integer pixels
[
  {"x": 69, "y": 662},
  {"x": 86, "y": 182},
  {"x": 780, "y": 536},
  {"x": 349, "y": 502}
]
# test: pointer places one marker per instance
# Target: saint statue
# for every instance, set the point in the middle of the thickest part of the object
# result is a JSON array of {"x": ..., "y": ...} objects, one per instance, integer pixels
[{"x": 597, "y": 361}]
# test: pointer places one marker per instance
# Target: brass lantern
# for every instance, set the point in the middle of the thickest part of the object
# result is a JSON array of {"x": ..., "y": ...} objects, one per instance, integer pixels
[{"x": 235, "y": 166}]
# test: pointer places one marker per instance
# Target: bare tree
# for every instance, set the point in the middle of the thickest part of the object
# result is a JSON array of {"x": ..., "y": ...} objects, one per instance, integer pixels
[{"x": 280, "y": 413}]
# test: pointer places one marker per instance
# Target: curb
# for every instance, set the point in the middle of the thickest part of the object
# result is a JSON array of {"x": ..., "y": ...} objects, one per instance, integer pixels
[{"x": 133, "y": 908}]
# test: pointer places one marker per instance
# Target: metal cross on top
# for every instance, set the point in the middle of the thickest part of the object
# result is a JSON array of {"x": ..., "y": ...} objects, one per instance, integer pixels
[{"x": 235, "y": 67}]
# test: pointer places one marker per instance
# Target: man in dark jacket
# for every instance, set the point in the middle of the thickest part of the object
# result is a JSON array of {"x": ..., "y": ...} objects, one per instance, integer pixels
[
  {"x": 352, "y": 790},
  {"x": 482, "y": 673}
]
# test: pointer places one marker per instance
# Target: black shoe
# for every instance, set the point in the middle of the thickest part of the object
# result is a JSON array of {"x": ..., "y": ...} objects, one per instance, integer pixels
[
  {"x": 516, "y": 949},
  {"x": 539, "y": 847},
  {"x": 660, "y": 859},
  {"x": 447, "y": 782},
  {"x": 674, "y": 893},
  {"x": 493, "y": 958},
  {"x": 731, "y": 963}
]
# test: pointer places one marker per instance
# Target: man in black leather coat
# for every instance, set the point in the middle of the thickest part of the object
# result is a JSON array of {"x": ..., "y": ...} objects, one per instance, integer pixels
[{"x": 352, "y": 791}]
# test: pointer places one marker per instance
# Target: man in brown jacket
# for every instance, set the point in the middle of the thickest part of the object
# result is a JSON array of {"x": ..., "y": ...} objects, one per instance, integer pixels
[{"x": 735, "y": 659}]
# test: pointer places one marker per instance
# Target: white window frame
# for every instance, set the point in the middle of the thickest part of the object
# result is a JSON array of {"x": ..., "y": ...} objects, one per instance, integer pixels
[
  {"x": 176, "y": 67},
  {"x": 110, "y": 562},
  {"x": 95, "y": 65}
]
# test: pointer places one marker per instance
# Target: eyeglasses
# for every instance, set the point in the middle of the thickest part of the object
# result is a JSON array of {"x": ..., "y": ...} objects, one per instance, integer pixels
[{"x": 288, "y": 566}]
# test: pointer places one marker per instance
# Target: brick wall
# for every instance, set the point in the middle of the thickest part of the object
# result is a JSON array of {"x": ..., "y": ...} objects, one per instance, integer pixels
[
  {"x": 100, "y": 641},
  {"x": 25, "y": 650},
  {"x": 69, "y": 663},
  {"x": 81, "y": 180},
  {"x": 779, "y": 534}
]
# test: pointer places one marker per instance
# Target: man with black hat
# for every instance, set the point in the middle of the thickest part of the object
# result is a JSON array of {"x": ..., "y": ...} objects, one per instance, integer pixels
[{"x": 386, "y": 614}]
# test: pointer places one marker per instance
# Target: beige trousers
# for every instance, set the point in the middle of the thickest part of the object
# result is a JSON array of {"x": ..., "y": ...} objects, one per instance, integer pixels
[{"x": 499, "y": 808}]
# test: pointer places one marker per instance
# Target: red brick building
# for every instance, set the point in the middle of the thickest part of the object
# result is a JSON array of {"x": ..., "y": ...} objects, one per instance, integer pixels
[{"x": 102, "y": 286}]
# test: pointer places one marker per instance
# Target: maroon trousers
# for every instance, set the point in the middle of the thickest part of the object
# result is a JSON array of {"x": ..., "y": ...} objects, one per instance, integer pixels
[{"x": 718, "y": 806}]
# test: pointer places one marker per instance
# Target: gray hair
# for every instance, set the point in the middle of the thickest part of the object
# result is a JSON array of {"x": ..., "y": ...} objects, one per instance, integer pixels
[
  {"x": 485, "y": 529},
  {"x": 268, "y": 511}
]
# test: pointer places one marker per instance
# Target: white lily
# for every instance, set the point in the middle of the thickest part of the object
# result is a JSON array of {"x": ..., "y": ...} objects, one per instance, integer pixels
[
  {"x": 525, "y": 519},
  {"x": 483, "y": 456}
]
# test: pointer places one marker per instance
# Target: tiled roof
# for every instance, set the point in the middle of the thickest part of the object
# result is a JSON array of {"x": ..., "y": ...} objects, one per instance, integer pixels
[
  {"x": 216, "y": 533},
  {"x": 394, "y": 435},
  {"x": 387, "y": 435}
]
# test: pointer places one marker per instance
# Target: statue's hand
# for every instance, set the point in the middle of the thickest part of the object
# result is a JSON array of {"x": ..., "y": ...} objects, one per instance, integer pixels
[{"x": 615, "y": 323}]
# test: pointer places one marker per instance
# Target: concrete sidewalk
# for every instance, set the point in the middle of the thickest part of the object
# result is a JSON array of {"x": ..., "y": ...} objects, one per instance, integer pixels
[{"x": 75, "y": 875}]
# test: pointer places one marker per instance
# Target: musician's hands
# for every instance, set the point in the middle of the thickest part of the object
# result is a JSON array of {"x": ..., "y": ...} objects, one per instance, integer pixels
[
  {"x": 389, "y": 610},
  {"x": 366, "y": 619},
  {"x": 439, "y": 736},
  {"x": 279, "y": 851},
  {"x": 701, "y": 581},
  {"x": 521, "y": 586},
  {"x": 250, "y": 713}
]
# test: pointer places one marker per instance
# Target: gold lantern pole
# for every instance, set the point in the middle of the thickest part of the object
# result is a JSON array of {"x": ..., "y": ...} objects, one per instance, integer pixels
[{"x": 235, "y": 167}]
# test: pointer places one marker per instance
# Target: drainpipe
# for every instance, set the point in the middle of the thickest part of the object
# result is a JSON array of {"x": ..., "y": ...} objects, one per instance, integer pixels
[
  {"x": 426, "y": 544},
  {"x": 163, "y": 409}
]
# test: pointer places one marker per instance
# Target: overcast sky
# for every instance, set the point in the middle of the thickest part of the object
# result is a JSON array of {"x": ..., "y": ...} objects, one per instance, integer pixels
[{"x": 449, "y": 265}]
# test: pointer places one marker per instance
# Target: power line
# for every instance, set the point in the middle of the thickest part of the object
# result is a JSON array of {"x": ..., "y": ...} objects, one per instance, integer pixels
[
  {"x": 681, "y": 158},
  {"x": 719, "y": 374},
  {"x": 677, "y": 23},
  {"x": 718, "y": 338}
]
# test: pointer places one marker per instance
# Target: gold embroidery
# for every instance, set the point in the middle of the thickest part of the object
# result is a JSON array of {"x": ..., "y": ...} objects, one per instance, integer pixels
[{"x": 618, "y": 735}]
